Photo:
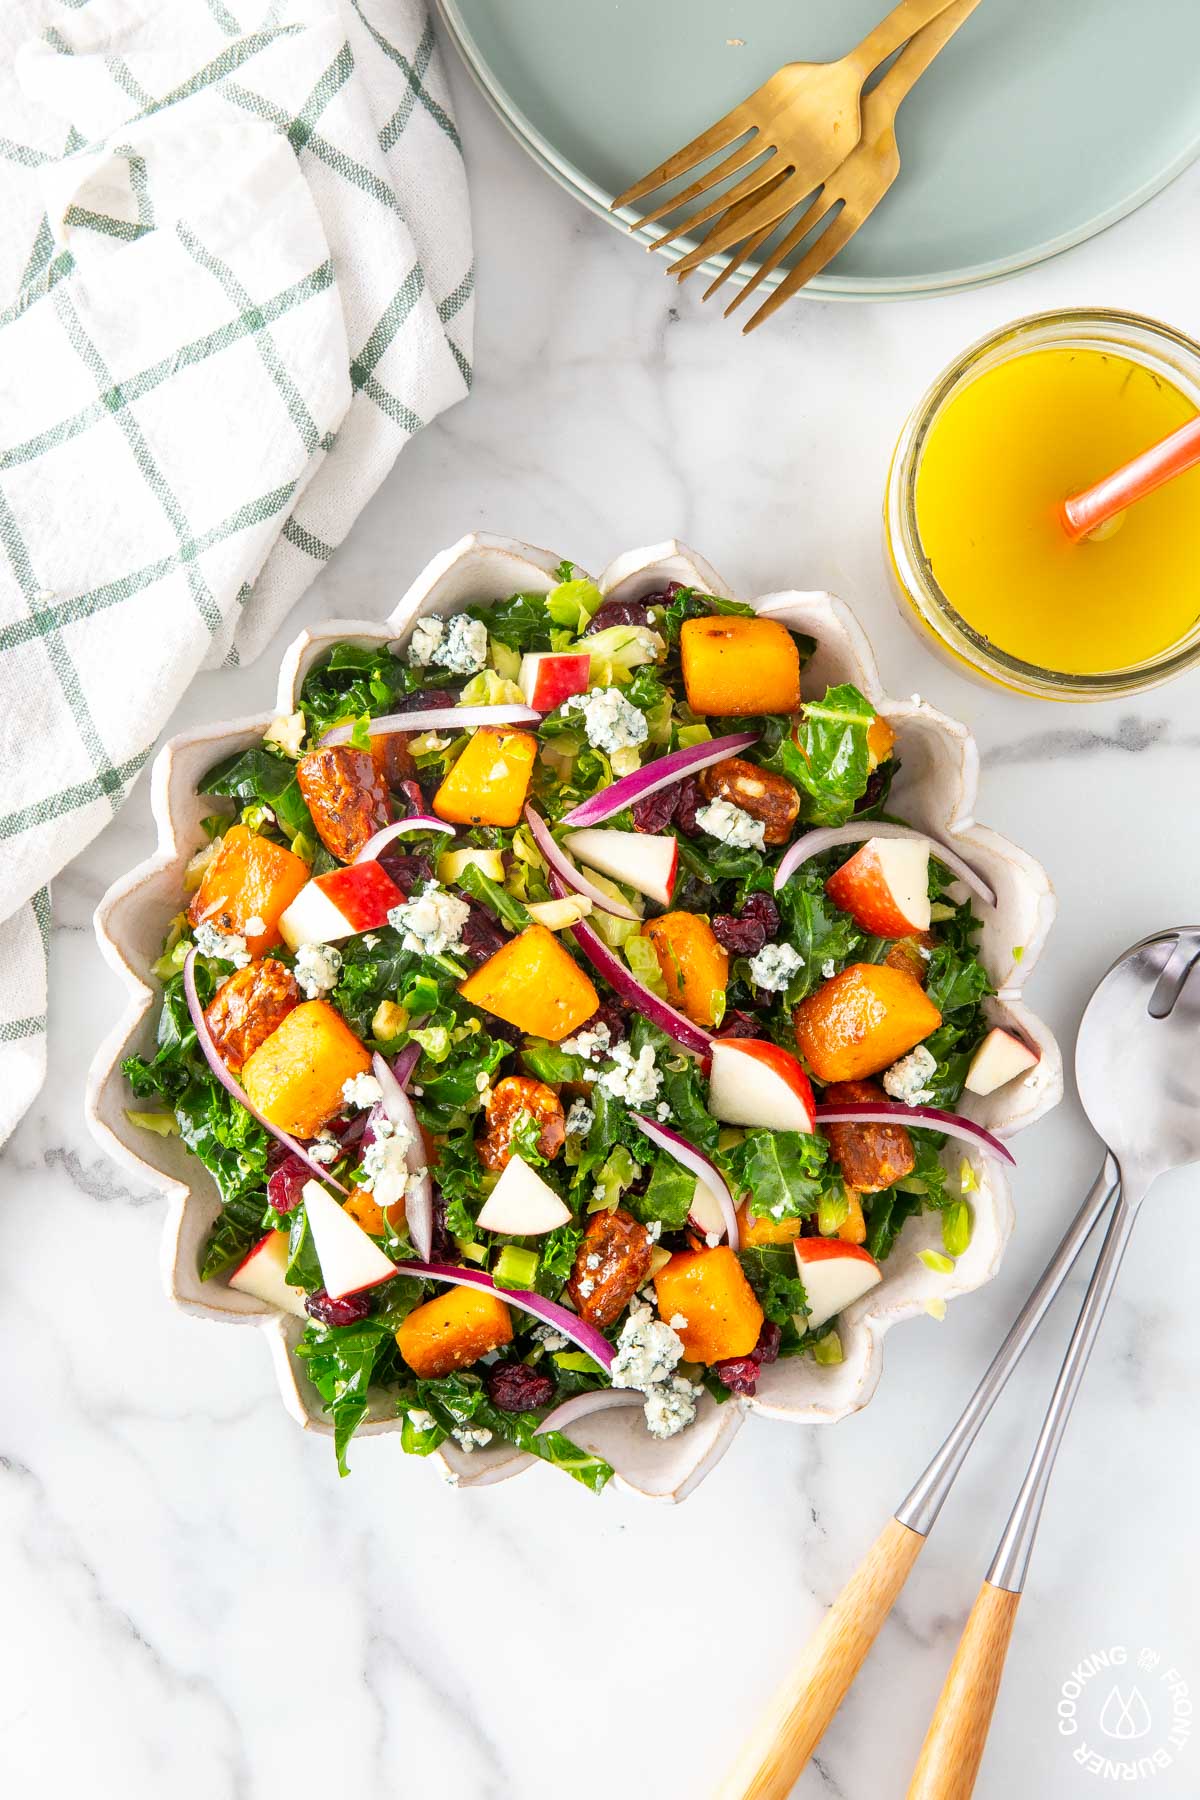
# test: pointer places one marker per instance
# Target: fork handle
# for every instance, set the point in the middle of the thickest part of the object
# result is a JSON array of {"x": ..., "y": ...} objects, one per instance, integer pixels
[
  {"x": 916, "y": 57},
  {"x": 890, "y": 33},
  {"x": 796, "y": 1716}
]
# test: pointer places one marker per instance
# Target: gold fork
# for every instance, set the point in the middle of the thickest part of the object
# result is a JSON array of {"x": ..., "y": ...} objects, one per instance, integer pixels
[
  {"x": 857, "y": 186},
  {"x": 806, "y": 119}
]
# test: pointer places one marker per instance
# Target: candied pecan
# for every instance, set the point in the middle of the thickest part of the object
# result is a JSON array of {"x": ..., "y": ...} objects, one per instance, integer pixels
[
  {"x": 514, "y": 1387},
  {"x": 346, "y": 797},
  {"x": 757, "y": 791},
  {"x": 601, "y": 1290},
  {"x": 392, "y": 758},
  {"x": 906, "y": 954},
  {"x": 245, "y": 1010},
  {"x": 871, "y": 1157},
  {"x": 515, "y": 1097}
]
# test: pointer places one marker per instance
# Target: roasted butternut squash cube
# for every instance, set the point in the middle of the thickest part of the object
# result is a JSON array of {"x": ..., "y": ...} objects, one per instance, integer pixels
[
  {"x": 532, "y": 983},
  {"x": 733, "y": 666},
  {"x": 881, "y": 741},
  {"x": 489, "y": 782},
  {"x": 861, "y": 1020},
  {"x": 753, "y": 1230},
  {"x": 249, "y": 878},
  {"x": 709, "y": 1290},
  {"x": 454, "y": 1329},
  {"x": 695, "y": 967},
  {"x": 296, "y": 1077},
  {"x": 853, "y": 1228},
  {"x": 364, "y": 1211}
]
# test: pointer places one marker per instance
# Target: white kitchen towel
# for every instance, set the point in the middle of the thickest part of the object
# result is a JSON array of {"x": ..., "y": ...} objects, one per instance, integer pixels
[{"x": 235, "y": 278}]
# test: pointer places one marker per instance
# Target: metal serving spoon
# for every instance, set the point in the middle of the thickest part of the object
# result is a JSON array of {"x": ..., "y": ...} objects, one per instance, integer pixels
[
  {"x": 1138, "y": 1074},
  {"x": 799, "y": 1712}
]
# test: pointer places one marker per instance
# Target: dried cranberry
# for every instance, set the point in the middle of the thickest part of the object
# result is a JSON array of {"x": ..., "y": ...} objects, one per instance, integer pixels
[
  {"x": 407, "y": 869},
  {"x": 878, "y": 782},
  {"x": 286, "y": 1183},
  {"x": 741, "y": 937},
  {"x": 767, "y": 1348},
  {"x": 350, "y": 1310},
  {"x": 761, "y": 907},
  {"x": 664, "y": 596},
  {"x": 688, "y": 801},
  {"x": 612, "y": 1014},
  {"x": 622, "y": 612},
  {"x": 738, "y": 1373},
  {"x": 655, "y": 812},
  {"x": 444, "y": 1249},
  {"x": 481, "y": 936},
  {"x": 425, "y": 700},
  {"x": 737, "y": 1024},
  {"x": 514, "y": 1387}
]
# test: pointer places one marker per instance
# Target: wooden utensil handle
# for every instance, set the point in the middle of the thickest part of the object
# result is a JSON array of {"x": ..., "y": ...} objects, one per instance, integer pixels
[
  {"x": 896, "y": 29},
  {"x": 793, "y": 1724},
  {"x": 954, "y": 1744}
]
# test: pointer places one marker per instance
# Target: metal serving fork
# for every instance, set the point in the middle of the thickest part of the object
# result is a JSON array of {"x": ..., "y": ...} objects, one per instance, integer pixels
[
  {"x": 803, "y": 122},
  {"x": 850, "y": 193}
]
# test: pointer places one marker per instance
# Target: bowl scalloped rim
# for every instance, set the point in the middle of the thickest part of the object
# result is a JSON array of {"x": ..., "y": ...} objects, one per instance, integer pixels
[{"x": 936, "y": 788}]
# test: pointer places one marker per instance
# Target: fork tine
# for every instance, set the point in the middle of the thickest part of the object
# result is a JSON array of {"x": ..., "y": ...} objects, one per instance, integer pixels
[
  {"x": 736, "y": 160},
  {"x": 799, "y": 231},
  {"x": 834, "y": 238},
  {"x": 736, "y": 259},
  {"x": 769, "y": 207},
  {"x": 743, "y": 207},
  {"x": 718, "y": 137},
  {"x": 749, "y": 188}
]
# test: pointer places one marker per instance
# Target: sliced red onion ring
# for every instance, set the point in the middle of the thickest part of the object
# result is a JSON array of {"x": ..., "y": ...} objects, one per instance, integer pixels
[
  {"x": 216, "y": 1063},
  {"x": 405, "y": 1063},
  {"x": 814, "y": 843},
  {"x": 658, "y": 774},
  {"x": 561, "y": 863},
  {"x": 451, "y": 718},
  {"x": 580, "y": 1405},
  {"x": 569, "y": 1324},
  {"x": 418, "y": 1195},
  {"x": 381, "y": 839},
  {"x": 933, "y": 1118},
  {"x": 617, "y": 974},
  {"x": 697, "y": 1165}
]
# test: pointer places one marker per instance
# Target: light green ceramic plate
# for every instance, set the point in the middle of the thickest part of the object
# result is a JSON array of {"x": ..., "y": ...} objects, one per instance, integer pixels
[{"x": 1042, "y": 122}]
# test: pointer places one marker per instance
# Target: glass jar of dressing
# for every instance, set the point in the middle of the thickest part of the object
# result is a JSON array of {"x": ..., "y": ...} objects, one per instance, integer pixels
[{"x": 1022, "y": 420}]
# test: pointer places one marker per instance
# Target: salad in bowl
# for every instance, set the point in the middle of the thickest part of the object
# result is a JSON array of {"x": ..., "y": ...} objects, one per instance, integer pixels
[{"x": 569, "y": 1020}]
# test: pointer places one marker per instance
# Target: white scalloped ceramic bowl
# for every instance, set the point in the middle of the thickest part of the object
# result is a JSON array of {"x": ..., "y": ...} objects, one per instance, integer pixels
[{"x": 935, "y": 789}]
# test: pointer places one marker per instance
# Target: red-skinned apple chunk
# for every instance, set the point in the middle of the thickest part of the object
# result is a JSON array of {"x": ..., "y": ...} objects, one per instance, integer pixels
[
  {"x": 754, "y": 1082},
  {"x": 834, "y": 1274},
  {"x": 339, "y": 905},
  {"x": 548, "y": 677},
  {"x": 1001, "y": 1057},
  {"x": 885, "y": 886}
]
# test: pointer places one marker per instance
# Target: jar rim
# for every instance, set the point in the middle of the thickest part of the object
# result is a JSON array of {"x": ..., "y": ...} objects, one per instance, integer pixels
[{"x": 1170, "y": 352}]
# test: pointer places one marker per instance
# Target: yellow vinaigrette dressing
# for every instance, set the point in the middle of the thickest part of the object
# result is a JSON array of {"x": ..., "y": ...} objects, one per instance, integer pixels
[{"x": 997, "y": 461}]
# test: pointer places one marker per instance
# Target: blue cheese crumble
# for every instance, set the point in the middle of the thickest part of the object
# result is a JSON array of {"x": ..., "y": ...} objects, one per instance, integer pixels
[
  {"x": 670, "y": 1405},
  {"x": 361, "y": 1091},
  {"x": 612, "y": 723},
  {"x": 774, "y": 967},
  {"x": 646, "y": 1356},
  {"x": 906, "y": 1080},
  {"x": 431, "y": 923},
  {"x": 460, "y": 644},
  {"x": 733, "y": 826},
  {"x": 384, "y": 1167},
  {"x": 590, "y": 1043},
  {"x": 580, "y": 1119},
  {"x": 226, "y": 946},
  {"x": 635, "y": 1081},
  {"x": 317, "y": 969}
]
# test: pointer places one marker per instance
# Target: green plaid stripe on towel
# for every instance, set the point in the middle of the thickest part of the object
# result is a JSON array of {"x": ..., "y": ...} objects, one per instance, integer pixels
[{"x": 235, "y": 278}]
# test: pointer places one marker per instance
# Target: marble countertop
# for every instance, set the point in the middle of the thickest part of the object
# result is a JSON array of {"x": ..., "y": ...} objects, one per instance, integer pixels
[{"x": 193, "y": 1604}]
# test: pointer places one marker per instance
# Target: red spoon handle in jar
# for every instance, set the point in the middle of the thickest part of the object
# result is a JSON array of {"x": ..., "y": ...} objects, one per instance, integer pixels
[{"x": 1085, "y": 512}]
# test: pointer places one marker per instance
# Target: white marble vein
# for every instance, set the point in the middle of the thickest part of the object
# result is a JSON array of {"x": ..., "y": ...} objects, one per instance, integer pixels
[{"x": 194, "y": 1605}]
